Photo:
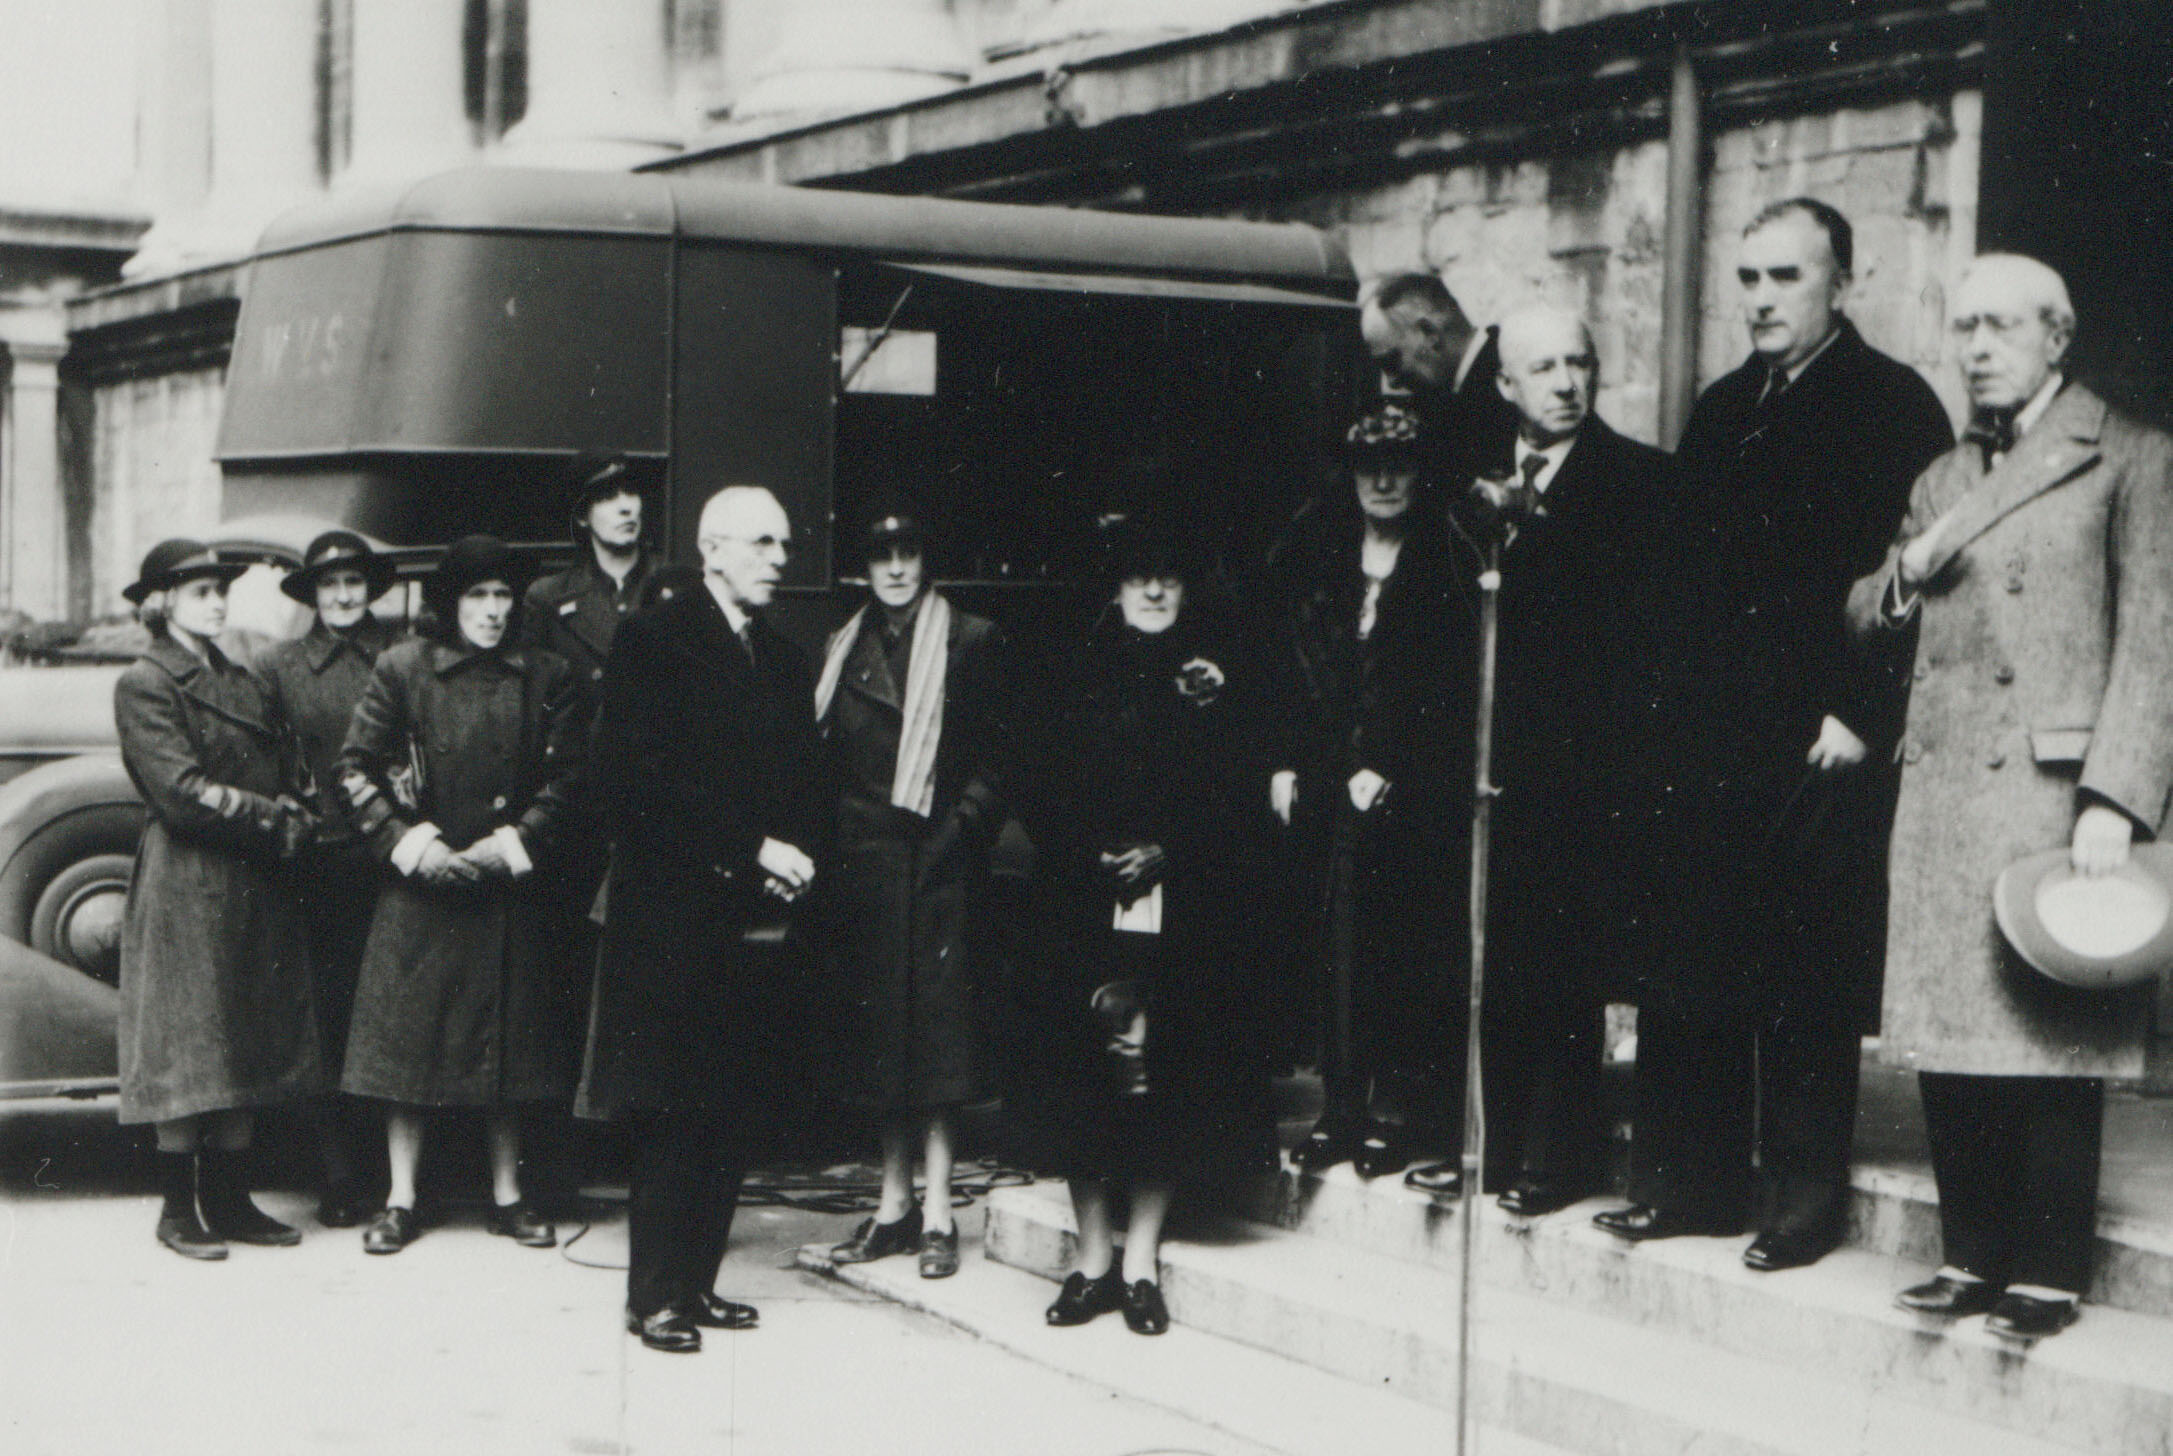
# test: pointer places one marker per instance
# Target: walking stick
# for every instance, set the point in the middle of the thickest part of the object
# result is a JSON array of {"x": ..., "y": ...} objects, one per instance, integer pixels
[{"x": 1482, "y": 824}]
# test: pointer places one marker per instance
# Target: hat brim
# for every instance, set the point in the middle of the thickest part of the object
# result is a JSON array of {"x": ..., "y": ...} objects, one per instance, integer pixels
[
  {"x": 301, "y": 583},
  {"x": 2018, "y": 896},
  {"x": 135, "y": 592}
]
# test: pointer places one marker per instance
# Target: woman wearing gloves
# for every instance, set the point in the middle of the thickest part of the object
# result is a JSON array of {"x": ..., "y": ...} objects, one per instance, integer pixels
[
  {"x": 461, "y": 764},
  {"x": 215, "y": 989}
]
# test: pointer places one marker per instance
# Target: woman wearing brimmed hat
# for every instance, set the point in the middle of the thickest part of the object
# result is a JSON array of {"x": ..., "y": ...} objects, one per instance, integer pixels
[
  {"x": 1376, "y": 779},
  {"x": 1149, "y": 815},
  {"x": 215, "y": 988},
  {"x": 318, "y": 678},
  {"x": 908, "y": 700},
  {"x": 460, "y": 766}
]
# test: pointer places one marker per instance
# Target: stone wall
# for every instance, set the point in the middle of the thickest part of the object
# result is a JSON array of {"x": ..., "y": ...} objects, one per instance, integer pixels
[
  {"x": 1585, "y": 230},
  {"x": 153, "y": 472}
]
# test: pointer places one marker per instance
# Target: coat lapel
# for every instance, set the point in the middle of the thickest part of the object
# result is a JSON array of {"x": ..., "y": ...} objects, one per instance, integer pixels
[
  {"x": 2063, "y": 445},
  {"x": 867, "y": 668}
]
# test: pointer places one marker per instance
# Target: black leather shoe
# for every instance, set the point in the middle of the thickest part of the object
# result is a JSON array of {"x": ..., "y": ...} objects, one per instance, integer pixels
[
  {"x": 1323, "y": 1148},
  {"x": 186, "y": 1235},
  {"x": 874, "y": 1240},
  {"x": 1081, "y": 1298},
  {"x": 1949, "y": 1297},
  {"x": 669, "y": 1330},
  {"x": 2026, "y": 1317},
  {"x": 1790, "y": 1248},
  {"x": 1537, "y": 1197},
  {"x": 1641, "y": 1221},
  {"x": 521, "y": 1223},
  {"x": 391, "y": 1231},
  {"x": 1144, "y": 1311},
  {"x": 939, "y": 1253},
  {"x": 1443, "y": 1180},
  {"x": 1383, "y": 1152},
  {"x": 714, "y": 1312}
]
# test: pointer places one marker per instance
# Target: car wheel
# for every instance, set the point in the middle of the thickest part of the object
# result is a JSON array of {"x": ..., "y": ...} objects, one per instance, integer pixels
[{"x": 77, "y": 918}]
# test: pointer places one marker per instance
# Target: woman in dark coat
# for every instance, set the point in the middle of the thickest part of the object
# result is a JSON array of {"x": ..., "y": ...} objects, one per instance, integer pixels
[
  {"x": 463, "y": 739},
  {"x": 317, "y": 679},
  {"x": 1151, "y": 824},
  {"x": 1376, "y": 778},
  {"x": 908, "y": 700},
  {"x": 215, "y": 986}
]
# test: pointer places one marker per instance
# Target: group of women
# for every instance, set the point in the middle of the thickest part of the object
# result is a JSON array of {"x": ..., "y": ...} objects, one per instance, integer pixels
[{"x": 379, "y": 808}]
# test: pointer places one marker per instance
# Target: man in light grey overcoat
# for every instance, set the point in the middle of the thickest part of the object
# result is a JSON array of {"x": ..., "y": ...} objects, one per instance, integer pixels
[{"x": 2035, "y": 570}]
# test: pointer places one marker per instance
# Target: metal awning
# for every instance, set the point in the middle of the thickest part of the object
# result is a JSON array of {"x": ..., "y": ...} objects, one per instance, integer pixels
[{"x": 1125, "y": 285}]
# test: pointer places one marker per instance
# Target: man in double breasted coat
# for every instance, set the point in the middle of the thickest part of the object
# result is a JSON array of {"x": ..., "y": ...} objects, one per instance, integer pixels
[
  {"x": 2035, "y": 570},
  {"x": 1801, "y": 460},
  {"x": 708, "y": 769}
]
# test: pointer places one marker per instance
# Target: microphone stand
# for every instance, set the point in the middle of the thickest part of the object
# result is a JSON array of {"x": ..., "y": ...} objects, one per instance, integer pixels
[{"x": 1503, "y": 505}]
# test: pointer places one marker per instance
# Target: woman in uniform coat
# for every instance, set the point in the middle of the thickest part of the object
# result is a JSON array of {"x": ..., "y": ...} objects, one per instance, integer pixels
[
  {"x": 215, "y": 988},
  {"x": 461, "y": 765},
  {"x": 1151, "y": 825},
  {"x": 317, "y": 679},
  {"x": 907, "y": 700}
]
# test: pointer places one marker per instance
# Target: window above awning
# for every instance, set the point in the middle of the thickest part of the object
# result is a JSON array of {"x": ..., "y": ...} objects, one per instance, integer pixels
[{"x": 1123, "y": 285}]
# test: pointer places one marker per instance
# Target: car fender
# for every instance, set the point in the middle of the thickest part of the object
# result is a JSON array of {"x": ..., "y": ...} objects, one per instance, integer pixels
[{"x": 57, "y": 813}]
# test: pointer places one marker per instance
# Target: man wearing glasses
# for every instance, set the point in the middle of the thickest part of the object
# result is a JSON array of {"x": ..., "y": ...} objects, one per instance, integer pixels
[
  {"x": 707, "y": 767},
  {"x": 1799, "y": 464}
]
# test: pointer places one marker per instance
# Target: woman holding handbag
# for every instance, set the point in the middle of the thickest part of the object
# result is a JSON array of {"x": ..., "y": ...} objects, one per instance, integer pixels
[
  {"x": 1151, "y": 822},
  {"x": 216, "y": 1018},
  {"x": 461, "y": 763}
]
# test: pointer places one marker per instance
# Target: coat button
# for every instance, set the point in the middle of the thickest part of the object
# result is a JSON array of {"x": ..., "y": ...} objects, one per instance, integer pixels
[
  {"x": 2003, "y": 674},
  {"x": 1922, "y": 672},
  {"x": 1912, "y": 753},
  {"x": 596, "y": 674},
  {"x": 1995, "y": 759},
  {"x": 499, "y": 802},
  {"x": 2014, "y": 583}
]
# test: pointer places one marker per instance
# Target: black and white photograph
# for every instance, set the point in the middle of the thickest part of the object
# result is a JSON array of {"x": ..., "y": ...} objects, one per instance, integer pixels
[{"x": 1086, "y": 727}]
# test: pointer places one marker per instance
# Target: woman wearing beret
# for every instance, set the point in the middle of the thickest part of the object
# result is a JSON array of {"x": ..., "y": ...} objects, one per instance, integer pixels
[
  {"x": 1151, "y": 825},
  {"x": 460, "y": 767},
  {"x": 317, "y": 679},
  {"x": 215, "y": 987},
  {"x": 908, "y": 701}
]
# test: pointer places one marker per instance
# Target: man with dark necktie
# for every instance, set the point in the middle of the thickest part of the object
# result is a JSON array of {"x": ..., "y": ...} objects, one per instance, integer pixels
[{"x": 1766, "y": 944}]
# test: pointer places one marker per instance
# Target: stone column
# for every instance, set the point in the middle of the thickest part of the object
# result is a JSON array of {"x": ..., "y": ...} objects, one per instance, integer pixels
[
  {"x": 599, "y": 86},
  {"x": 233, "y": 113},
  {"x": 410, "y": 112},
  {"x": 855, "y": 55},
  {"x": 33, "y": 520}
]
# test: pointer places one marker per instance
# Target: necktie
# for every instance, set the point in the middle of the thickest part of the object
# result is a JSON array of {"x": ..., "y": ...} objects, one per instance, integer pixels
[
  {"x": 1994, "y": 433},
  {"x": 1776, "y": 386},
  {"x": 745, "y": 632},
  {"x": 1534, "y": 463}
]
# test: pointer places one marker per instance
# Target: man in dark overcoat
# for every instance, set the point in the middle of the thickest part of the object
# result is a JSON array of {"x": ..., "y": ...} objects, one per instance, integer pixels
[
  {"x": 2035, "y": 574},
  {"x": 1805, "y": 455},
  {"x": 708, "y": 769},
  {"x": 1557, "y": 848},
  {"x": 1425, "y": 344}
]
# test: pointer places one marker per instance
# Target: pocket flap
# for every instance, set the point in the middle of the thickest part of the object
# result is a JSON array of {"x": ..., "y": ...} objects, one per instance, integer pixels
[{"x": 2059, "y": 745}]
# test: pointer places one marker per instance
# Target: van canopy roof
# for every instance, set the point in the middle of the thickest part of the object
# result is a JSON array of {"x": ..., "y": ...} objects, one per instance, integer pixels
[{"x": 534, "y": 200}]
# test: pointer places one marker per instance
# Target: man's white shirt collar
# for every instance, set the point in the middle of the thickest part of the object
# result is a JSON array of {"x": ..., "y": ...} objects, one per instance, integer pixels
[
  {"x": 734, "y": 613},
  {"x": 1471, "y": 352},
  {"x": 1553, "y": 454},
  {"x": 2041, "y": 401},
  {"x": 1795, "y": 372}
]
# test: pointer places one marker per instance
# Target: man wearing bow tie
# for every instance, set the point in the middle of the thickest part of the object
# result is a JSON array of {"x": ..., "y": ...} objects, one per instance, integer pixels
[
  {"x": 1801, "y": 461},
  {"x": 1563, "y": 643},
  {"x": 2035, "y": 574}
]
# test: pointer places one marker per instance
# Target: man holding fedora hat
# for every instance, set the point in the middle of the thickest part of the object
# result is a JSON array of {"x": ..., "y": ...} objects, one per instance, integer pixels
[{"x": 2035, "y": 573}]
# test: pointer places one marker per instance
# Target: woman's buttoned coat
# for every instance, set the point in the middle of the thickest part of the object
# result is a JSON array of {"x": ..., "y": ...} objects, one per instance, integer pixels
[
  {"x": 215, "y": 980},
  {"x": 318, "y": 678},
  {"x": 462, "y": 1000},
  {"x": 902, "y": 888},
  {"x": 2042, "y": 681}
]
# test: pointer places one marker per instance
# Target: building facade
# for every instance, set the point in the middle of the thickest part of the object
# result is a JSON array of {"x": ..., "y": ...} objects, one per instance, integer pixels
[{"x": 1601, "y": 154}]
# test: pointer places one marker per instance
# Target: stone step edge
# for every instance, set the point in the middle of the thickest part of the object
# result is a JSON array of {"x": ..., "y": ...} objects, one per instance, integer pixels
[
  {"x": 1276, "y": 1394},
  {"x": 1555, "y": 1362}
]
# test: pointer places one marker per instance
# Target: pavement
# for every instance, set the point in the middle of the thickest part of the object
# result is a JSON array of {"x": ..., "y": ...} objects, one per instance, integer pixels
[{"x": 464, "y": 1343}]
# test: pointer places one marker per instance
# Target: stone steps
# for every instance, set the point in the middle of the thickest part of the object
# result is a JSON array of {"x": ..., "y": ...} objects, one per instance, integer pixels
[
  {"x": 1263, "y": 1401},
  {"x": 1574, "y": 1366}
]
